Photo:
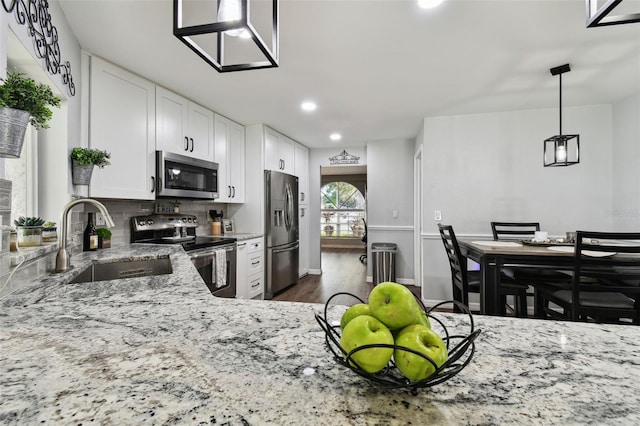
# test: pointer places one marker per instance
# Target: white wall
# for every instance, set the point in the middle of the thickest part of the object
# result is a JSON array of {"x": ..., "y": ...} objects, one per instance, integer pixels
[
  {"x": 55, "y": 143},
  {"x": 625, "y": 211},
  {"x": 389, "y": 189},
  {"x": 484, "y": 167}
]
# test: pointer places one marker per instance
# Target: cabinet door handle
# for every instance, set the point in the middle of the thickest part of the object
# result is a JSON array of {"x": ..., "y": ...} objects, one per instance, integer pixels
[
  {"x": 302, "y": 212},
  {"x": 186, "y": 143},
  {"x": 234, "y": 192},
  {"x": 257, "y": 262},
  {"x": 191, "y": 139},
  {"x": 229, "y": 191},
  {"x": 255, "y": 285},
  {"x": 153, "y": 184},
  {"x": 302, "y": 196}
]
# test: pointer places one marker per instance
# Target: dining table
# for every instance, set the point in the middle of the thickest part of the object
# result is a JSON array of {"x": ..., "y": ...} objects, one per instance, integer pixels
[{"x": 492, "y": 256}]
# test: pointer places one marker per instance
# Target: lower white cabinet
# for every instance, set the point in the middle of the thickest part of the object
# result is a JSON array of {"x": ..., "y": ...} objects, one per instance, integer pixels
[{"x": 250, "y": 269}]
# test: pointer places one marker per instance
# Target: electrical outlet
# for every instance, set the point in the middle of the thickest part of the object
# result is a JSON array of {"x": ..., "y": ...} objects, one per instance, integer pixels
[
  {"x": 100, "y": 220},
  {"x": 396, "y": 214},
  {"x": 437, "y": 215}
]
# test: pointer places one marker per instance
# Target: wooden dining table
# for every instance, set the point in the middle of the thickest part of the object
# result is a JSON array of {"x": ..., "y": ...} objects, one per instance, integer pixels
[{"x": 494, "y": 255}]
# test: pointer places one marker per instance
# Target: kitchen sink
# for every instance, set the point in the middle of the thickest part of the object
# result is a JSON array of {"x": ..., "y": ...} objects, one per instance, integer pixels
[{"x": 124, "y": 269}]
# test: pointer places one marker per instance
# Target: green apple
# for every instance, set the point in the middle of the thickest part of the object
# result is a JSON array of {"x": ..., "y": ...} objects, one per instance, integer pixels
[
  {"x": 366, "y": 330},
  {"x": 354, "y": 311},
  {"x": 424, "y": 340},
  {"x": 424, "y": 319},
  {"x": 394, "y": 305}
]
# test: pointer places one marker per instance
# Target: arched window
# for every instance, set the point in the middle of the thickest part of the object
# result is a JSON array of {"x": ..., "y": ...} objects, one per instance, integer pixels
[{"x": 342, "y": 208}]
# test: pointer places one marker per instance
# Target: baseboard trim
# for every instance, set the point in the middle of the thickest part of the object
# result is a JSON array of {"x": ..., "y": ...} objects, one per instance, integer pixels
[
  {"x": 405, "y": 281},
  {"x": 315, "y": 272}
]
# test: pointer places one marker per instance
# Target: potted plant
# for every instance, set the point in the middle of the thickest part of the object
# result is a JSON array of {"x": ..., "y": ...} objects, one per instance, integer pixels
[
  {"x": 104, "y": 238},
  {"x": 83, "y": 160},
  {"x": 49, "y": 232},
  {"x": 328, "y": 230},
  {"x": 29, "y": 230},
  {"x": 22, "y": 101}
]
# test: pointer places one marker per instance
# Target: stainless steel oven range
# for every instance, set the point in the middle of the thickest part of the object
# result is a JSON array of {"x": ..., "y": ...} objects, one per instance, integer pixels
[{"x": 213, "y": 256}]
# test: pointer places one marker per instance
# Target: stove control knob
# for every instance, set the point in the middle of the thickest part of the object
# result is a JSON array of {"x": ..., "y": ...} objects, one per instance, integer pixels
[
  {"x": 184, "y": 220},
  {"x": 195, "y": 220},
  {"x": 142, "y": 223},
  {"x": 150, "y": 221}
]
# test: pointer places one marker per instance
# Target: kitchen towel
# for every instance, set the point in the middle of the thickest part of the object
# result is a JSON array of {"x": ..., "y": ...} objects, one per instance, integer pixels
[{"x": 220, "y": 271}]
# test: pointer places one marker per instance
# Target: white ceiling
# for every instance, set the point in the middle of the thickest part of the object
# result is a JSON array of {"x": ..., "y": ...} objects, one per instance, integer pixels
[{"x": 377, "y": 67}]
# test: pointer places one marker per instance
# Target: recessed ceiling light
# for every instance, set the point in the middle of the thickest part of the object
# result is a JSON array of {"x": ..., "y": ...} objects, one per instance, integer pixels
[
  {"x": 308, "y": 106},
  {"x": 335, "y": 136},
  {"x": 429, "y": 4}
]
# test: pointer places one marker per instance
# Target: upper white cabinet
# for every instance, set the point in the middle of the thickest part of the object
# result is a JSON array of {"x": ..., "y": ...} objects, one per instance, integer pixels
[
  {"x": 301, "y": 163},
  {"x": 279, "y": 152},
  {"x": 183, "y": 127},
  {"x": 122, "y": 122},
  {"x": 229, "y": 154}
]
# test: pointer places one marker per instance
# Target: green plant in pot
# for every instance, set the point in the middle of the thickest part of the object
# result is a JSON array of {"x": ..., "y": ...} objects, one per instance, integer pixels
[
  {"x": 104, "y": 238},
  {"x": 22, "y": 101},
  {"x": 29, "y": 230},
  {"x": 83, "y": 160}
]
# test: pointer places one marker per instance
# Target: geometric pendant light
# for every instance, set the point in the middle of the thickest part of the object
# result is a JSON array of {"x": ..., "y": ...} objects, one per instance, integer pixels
[
  {"x": 227, "y": 33},
  {"x": 561, "y": 150},
  {"x": 603, "y": 16}
]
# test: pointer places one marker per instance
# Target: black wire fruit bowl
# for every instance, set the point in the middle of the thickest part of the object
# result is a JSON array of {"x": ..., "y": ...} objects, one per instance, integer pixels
[{"x": 460, "y": 347}]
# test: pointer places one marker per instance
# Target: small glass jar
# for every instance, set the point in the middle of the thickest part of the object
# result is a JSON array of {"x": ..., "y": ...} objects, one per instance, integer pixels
[{"x": 29, "y": 236}]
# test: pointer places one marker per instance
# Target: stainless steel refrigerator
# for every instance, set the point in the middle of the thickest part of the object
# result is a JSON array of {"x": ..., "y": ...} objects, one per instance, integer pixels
[{"x": 281, "y": 231}]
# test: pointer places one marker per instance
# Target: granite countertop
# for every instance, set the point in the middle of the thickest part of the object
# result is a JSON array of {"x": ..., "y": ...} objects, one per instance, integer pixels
[{"x": 163, "y": 350}]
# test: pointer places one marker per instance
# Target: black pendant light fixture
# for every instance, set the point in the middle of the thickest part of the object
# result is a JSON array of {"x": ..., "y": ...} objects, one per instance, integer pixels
[
  {"x": 232, "y": 42},
  {"x": 603, "y": 15},
  {"x": 561, "y": 150}
]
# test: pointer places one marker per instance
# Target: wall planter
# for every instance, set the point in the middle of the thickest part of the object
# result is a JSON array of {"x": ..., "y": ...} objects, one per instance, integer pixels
[
  {"x": 81, "y": 174},
  {"x": 13, "y": 126},
  {"x": 22, "y": 101},
  {"x": 82, "y": 162}
]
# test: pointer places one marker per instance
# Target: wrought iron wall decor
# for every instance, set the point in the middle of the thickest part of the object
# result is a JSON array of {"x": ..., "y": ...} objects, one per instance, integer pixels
[
  {"x": 602, "y": 16},
  {"x": 236, "y": 25},
  {"x": 344, "y": 158},
  {"x": 35, "y": 14},
  {"x": 561, "y": 150}
]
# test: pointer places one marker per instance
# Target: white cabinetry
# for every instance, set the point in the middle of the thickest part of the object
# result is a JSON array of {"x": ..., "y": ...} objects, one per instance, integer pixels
[
  {"x": 122, "y": 122},
  {"x": 303, "y": 240},
  {"x": 279, "y": 152},
  {"x": 229, "y": 154},
  {"x": 301, "y": 162},
  {"x": 183, "y": 127},
  {"x": 249, "y": 275}
]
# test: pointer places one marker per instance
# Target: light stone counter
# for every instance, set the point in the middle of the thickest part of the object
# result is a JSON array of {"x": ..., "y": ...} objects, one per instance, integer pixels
[{"x": 163, "y": 350}]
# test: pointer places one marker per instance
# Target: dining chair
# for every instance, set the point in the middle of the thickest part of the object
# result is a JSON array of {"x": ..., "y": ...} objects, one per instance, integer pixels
[
  {"x": 464, "y": 281},
  {"x": 606, "y": 280},
  {"x": 537, "y": 277}
]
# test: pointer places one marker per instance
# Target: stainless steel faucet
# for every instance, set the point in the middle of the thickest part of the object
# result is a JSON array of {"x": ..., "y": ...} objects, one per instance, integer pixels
[{"x": 63, "y": 260}]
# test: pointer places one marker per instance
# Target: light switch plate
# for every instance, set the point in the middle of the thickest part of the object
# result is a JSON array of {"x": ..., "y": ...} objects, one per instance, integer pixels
[
  {"x": 100, "y": 220},
  {"x": 437, "y": 215}
]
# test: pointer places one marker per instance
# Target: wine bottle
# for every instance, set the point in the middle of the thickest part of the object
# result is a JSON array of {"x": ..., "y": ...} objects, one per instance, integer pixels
[{"x": 90, "y": 241}]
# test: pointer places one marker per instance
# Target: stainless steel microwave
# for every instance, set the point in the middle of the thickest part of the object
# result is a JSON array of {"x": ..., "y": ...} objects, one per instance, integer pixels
[{"x": 179, "y": 176}]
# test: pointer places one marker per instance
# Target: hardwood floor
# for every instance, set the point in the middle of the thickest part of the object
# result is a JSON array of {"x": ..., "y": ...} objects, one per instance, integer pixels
[{"x": 342, "y": 271}]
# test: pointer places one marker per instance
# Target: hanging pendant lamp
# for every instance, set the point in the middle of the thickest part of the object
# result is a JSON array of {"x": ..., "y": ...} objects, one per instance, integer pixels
[
  {"x": 602, "y": 15},
  {"x": 561, "y": 150},
  {"x": 240, "y": 37}
]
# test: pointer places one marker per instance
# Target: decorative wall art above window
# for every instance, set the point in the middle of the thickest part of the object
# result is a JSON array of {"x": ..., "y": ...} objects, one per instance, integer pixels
[
  {"x": 344, "y": 158},
  {"x": 35, "y": 14}
]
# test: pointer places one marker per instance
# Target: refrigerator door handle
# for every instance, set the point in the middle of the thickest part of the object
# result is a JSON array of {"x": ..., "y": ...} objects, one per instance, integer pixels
[
  {"x": 287, "y": 249},
  {"x": 288, "y": 207}
]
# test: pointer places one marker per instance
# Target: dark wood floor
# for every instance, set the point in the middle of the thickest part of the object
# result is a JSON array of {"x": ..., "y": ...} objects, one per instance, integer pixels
[{"x": 342, "y": 271}]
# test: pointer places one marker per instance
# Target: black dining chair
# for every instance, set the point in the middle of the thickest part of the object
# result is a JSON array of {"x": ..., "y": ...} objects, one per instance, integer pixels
[
  {"x": 606, "y": 280},
  {"x": 464, "y": 281},
  {"x": 363, "y": 257},
  {"x": 537, "y": 277}
]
